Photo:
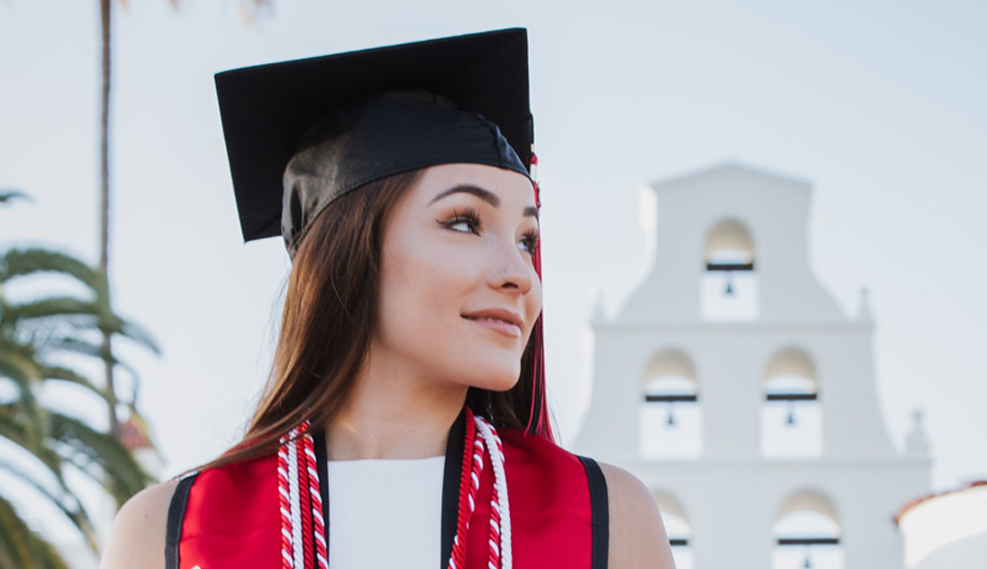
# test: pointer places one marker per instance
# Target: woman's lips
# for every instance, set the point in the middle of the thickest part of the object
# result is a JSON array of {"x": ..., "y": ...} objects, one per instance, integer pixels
[{"x": 500, "y": 326}]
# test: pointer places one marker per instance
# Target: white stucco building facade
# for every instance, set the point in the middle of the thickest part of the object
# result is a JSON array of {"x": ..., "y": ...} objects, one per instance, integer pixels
[
  {"x": 782, "y": 457},
  {"x": 947, "y": 530}
]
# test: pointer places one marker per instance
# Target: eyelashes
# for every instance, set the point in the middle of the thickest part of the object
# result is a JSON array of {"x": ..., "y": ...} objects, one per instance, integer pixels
[{"x": 470, "y": 216}]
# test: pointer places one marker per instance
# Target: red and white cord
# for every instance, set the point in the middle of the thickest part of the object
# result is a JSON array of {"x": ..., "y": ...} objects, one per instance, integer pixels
[
  {"x": 318, "y": 522},
  {"x": 479, "y": 430},
  {"x": 500, "y": 498},
  {"x": 287, "y": 537},
  {"x": 302, "y": 522},
  {"x": 298, "y": 489}
]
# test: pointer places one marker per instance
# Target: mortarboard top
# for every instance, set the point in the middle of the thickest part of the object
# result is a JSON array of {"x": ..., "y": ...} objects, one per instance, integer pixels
[{"x": 373, "y": 132}]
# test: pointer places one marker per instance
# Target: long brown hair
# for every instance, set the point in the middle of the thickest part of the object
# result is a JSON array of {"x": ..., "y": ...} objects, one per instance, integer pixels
[{"x": 330, "y": 308}]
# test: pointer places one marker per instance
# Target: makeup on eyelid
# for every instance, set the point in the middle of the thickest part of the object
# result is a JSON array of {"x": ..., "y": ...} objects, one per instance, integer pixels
[{"x": 471, "y": 217}]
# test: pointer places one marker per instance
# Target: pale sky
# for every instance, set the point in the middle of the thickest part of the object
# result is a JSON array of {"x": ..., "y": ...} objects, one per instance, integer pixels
[{"x": 878, "y": 104}]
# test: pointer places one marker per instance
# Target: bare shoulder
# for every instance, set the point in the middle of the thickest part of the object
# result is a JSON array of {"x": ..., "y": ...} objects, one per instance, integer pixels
[
  {"x": 637, "y": 534},
  {"x": 137, "y": 537}
]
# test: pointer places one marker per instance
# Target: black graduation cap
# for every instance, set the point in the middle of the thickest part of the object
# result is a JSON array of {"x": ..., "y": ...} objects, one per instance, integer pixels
[{"x": 370, "y": 114}]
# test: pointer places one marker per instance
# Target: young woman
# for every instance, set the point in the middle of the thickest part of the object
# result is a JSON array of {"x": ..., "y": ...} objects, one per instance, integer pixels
[{"x": 404, "y": 422}]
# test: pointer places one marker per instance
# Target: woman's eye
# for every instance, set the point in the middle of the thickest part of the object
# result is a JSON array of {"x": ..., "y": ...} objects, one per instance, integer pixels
[
  {"x": 469, "y": 218},
  {"x": 464, "y": 223},
  {"x": 530, "y": 242}
]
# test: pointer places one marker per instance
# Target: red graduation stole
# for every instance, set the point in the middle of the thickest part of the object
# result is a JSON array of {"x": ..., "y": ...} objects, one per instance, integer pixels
[{"x": 231, "y": 516}]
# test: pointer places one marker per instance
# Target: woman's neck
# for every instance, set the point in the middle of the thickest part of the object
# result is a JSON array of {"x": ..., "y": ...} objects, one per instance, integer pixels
[{"x": 394, "y": 416}]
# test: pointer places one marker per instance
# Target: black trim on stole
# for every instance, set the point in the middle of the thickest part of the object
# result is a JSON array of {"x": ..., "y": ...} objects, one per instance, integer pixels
[
  {"x": 600, "y": 507},
  {"x": 319, "y": 441},
  {"x": 176, "y": 515},
  {"x": 450, "y": 484}
]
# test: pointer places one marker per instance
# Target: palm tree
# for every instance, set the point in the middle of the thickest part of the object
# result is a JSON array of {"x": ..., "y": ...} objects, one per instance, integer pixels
[
  {"x": 33, "y": 334},
  {"x": 36, "y": 338},
  {"x": 106, "y": 348},
  {"x": 249, "y": 10}
]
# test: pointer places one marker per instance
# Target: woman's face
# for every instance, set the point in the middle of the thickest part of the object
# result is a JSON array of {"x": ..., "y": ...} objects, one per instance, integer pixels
[{"x": 458, "y": 244}]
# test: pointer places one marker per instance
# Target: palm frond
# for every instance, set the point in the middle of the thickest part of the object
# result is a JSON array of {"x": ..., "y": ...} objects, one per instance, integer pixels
[
  {"x": 77, "y": 514},
  {"x": 20, "y": 262},
  {"x": 79, "y": 315},
  {"x": 14, "y": 429},
  {"x": 17, "y": 364},
  {"x": 32, "y": 335},
  {"x": 123, "y": 475},
  {"x": 59, "y": 373},
  {"x": 72, "y": 345},
  {"x": 140, "y": 335},
  {"x": 32, "y": 415},
  {"x": 8, "y": 194},
  {"x": 57, "y": 307},
  {"x": 22, "y": 548}
]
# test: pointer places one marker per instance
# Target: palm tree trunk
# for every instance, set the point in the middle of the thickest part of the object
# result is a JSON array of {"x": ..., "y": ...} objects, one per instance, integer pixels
[{"x": 104, "y": 219}]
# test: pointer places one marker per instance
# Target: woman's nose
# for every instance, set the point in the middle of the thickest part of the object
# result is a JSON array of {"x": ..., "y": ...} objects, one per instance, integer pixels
[{"x": 516, "y": 271}]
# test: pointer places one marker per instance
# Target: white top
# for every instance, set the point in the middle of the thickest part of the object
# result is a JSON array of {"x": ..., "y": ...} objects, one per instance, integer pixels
[{"x": 385, "y": 513}]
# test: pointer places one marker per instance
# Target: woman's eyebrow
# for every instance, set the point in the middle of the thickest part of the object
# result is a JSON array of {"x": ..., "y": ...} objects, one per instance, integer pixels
[{"x": 484, "y": 195}]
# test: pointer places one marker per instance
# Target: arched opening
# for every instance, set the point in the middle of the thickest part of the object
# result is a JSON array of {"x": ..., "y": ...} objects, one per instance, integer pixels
[
  {"x": 677, "y": 527},
  {"x": 670, "y": 415},
  {"x": 791, "y": 415},
  {"x": 729, "y": 281},
  {"x": 807, "y": 533}
]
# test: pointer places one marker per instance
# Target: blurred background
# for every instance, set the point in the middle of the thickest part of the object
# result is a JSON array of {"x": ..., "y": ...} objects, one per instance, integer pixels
[{"x": 763, "y": 259}]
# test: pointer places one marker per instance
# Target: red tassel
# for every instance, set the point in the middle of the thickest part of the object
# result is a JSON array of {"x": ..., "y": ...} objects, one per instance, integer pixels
[{"x": 542, "y": 425}]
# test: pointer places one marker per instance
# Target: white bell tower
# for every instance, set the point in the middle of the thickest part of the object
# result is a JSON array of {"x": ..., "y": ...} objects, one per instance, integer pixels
[{"x": 733, "y": 385}]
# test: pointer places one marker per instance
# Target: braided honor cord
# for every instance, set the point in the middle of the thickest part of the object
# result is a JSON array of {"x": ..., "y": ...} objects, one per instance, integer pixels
[
  {"x": 479, "y": 430},
  {"x": 287, "y": 537},
  {"x": 502, "y": 517},
  {"x": 301, "y": 500}
]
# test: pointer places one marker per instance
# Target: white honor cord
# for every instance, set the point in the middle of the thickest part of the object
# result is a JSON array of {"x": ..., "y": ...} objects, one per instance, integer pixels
[
  {"x": 296, "y": 504},
  {"x": 500, "y": 481}
]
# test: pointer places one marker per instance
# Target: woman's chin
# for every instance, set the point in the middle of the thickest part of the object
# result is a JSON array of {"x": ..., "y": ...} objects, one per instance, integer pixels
[{"x": 504, "y": 383}]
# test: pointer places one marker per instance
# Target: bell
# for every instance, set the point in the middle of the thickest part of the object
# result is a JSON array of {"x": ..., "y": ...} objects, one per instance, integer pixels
[
  {"x": 671, "y": 418},
  {"x": 729, "y": 290},
  {"x": 790, "y": 421},
  {"x": 808, "y": 563}
]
